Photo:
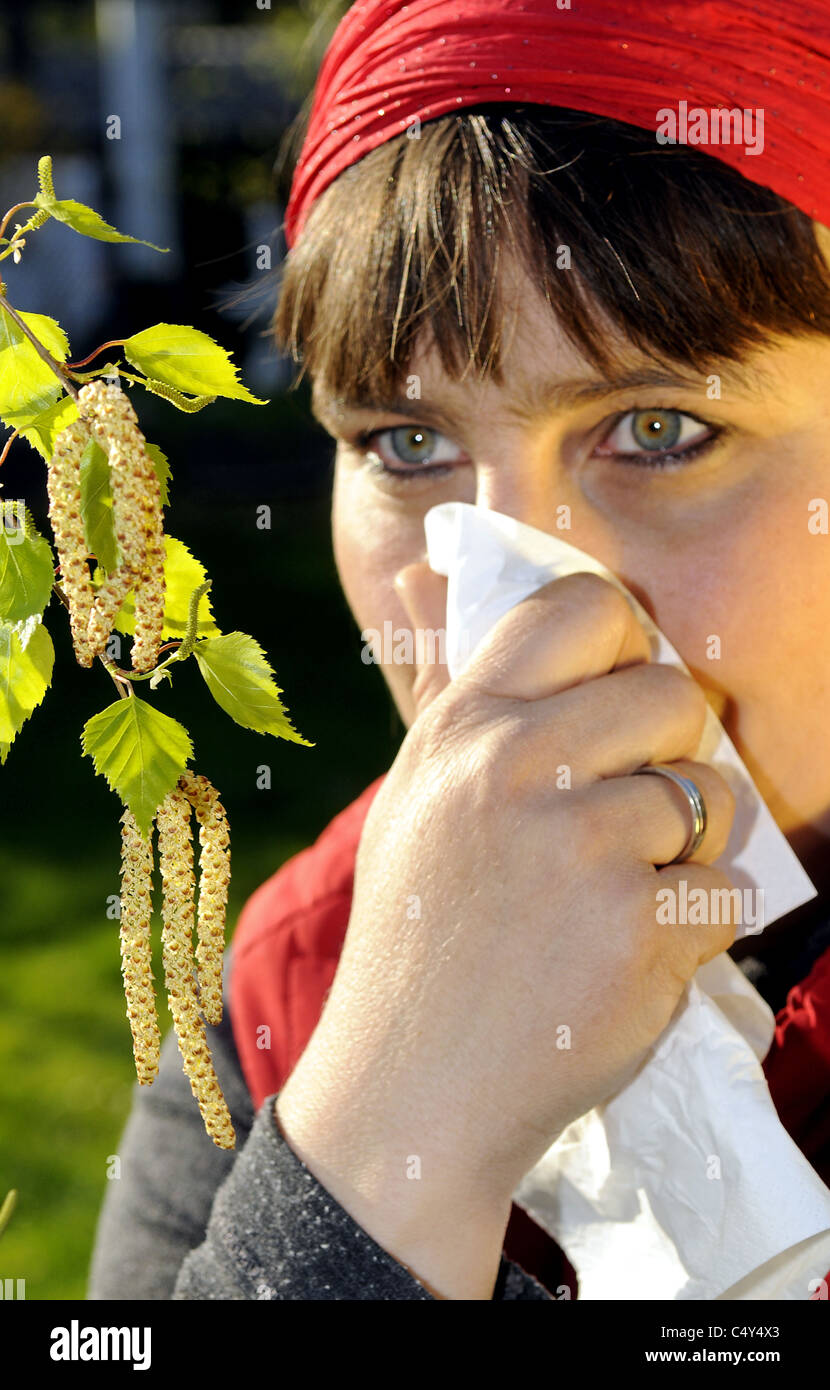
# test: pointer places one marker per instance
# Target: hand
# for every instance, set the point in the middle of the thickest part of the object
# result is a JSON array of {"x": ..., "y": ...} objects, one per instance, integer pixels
[{"x": 493, "y": 907}]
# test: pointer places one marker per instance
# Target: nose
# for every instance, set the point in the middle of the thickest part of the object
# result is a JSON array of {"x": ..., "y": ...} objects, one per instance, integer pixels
[
  {"x": 530, "y": 484},
  {"x": 524, "y": 477},
  {"x": 516, "y": 481}
]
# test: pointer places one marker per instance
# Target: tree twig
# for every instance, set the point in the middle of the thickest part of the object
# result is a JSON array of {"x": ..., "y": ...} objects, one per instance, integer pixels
[
  {"x": 118, "y": 342},
  {"x": 41, "y": 350},
  {"x": 10, "y": 214},
  {"x": 8, "y": 444}
]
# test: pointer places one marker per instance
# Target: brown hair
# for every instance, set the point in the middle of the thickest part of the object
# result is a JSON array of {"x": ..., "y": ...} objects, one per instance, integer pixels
[{"x": 688, "y": 258}]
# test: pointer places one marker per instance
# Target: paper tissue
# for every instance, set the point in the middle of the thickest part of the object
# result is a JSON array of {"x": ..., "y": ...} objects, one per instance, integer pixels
[{"x": 685, "y": 1185}]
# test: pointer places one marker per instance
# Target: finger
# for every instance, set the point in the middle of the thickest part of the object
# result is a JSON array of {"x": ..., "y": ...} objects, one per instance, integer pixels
[
  {"x": 610, "y": 726},
  {"x": 701, "y": 908},
  {"x": 567, "y": 632},
  {"x": 423, "y": 594},
  {"x": 652, "y": 819}
]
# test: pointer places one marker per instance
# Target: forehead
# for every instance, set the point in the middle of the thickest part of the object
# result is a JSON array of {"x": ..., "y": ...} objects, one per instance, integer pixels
[
  {"x": 542, "y": 369},
  {"x": 531, "y": 341}
]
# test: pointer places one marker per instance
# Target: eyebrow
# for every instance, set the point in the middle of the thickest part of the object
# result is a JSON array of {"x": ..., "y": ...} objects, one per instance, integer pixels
[{"x": 541, "y": 399}]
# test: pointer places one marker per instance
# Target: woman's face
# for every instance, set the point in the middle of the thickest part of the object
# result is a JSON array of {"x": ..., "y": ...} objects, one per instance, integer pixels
[{"x": 715, "y": 545}]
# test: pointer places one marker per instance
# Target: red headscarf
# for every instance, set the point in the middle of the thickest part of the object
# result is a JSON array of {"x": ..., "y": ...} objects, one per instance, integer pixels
[{"x": 390, "y": 63}]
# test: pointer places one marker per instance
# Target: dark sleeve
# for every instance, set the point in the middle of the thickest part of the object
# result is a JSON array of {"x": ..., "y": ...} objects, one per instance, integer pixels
[
  {"x": 158, "y": 1209},
  {"x": 276, "y": 1233},
  {"x": 189, "y": 1221}
]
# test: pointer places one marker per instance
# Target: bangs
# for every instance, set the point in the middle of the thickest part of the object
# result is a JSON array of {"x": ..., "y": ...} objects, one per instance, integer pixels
[{"x": 679, "y": 254}]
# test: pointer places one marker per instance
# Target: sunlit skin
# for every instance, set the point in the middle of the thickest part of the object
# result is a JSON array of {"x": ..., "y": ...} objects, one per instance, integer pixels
[{"x": 716, "y": 545}]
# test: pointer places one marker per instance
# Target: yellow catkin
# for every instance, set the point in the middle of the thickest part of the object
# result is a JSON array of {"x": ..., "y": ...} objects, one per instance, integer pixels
[
  {"x": 214, "y": 878},
  {"x": 137, "y": 517},
  {"x": 149, "y": 598},
  {"x": 136, "y": 948},
  {"x": 176, "y": 860},
  {"x": 63, "y": 482}
]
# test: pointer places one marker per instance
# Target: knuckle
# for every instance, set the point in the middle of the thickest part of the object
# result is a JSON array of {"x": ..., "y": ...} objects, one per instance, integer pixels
[
  {"x": 496, "y": 763},
  {"x": 684, "y": 693},
  {"x": 607, "y": 604},
  {"x": 593, "y": 600}
]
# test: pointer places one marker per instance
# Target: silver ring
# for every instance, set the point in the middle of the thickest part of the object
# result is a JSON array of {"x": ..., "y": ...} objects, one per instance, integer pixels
[{"x": 697, "y": 806}]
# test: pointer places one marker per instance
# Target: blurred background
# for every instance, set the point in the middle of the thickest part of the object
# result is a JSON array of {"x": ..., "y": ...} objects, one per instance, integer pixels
[{"x": 204, "y": 91}]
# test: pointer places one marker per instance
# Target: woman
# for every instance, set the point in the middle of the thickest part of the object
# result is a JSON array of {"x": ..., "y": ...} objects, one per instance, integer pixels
[{"x": 508, "y": 290}]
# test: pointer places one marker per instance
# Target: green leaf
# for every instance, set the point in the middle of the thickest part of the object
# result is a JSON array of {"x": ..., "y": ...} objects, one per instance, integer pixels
[
  {"x": 26, "y": 629},
  {"x": 41, "y": 430},
  {"x": 240, "y": 680},
  {"x": 162, "y": 468},
  {"x": 96, "y": 507},
  {"x": 27, "y": 385},
  {"x": 141, "y": 752},
  {"x": 27, "y": 570},
  {"x": 86, "y": 221},
  {"x": 182, "y": 574},
  {"x": 188, "y": 360},
  {"x": 96, "y": 501},
  {"x": 25, "y": 673}
]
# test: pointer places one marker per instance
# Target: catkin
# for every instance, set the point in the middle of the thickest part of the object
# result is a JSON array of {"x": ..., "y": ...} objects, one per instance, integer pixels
[
  {"x": 63, "y": 484},
  {"x": 214, "y": 877},
  {"x": 136, "y": 948},
  {"x": 176, "y": 860},
  {"x": 149, "y": 596},
  {"x": 137, "y": 518}
]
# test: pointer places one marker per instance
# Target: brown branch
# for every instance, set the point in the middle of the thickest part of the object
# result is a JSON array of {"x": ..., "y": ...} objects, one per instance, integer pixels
[
  {"x": 10, "y": 214},
  {"x": 41, "y": 351},
  {"x": 8, "y": 444},
  {"x": 117, "y": 342},
  {"x": 120, "y": 681}
]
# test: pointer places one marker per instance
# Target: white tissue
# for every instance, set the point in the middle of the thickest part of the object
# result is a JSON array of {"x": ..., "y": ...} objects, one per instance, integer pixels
[{"x": 685, "y": 1185}]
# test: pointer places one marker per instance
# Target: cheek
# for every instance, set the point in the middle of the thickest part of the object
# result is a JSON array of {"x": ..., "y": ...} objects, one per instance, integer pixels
[
  {"x": 747, "y": 606},
  {"x": 373, "y": 539}
]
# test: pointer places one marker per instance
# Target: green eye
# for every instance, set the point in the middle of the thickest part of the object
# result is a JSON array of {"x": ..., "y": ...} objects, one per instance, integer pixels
[
  {"x": 409, "y": 451},
  {"x": 412, "y": 444},
  {"x": 657, "y": 429},
  {"x": 657, "y": 438}
]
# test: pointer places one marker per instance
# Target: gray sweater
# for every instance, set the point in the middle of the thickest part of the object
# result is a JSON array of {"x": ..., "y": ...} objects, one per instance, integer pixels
[{"x": 186, "y": 1220}]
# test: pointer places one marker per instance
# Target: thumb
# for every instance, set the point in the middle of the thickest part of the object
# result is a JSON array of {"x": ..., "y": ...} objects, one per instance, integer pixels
[{"x": 423, "y": 594}]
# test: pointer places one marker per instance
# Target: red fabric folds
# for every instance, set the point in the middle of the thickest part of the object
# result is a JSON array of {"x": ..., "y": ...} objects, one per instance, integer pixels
[{"x": 389, "y": 63}]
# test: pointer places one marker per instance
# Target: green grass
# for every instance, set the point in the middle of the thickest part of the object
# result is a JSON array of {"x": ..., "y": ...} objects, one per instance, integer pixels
[{"x": 66, "y": 1062}]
